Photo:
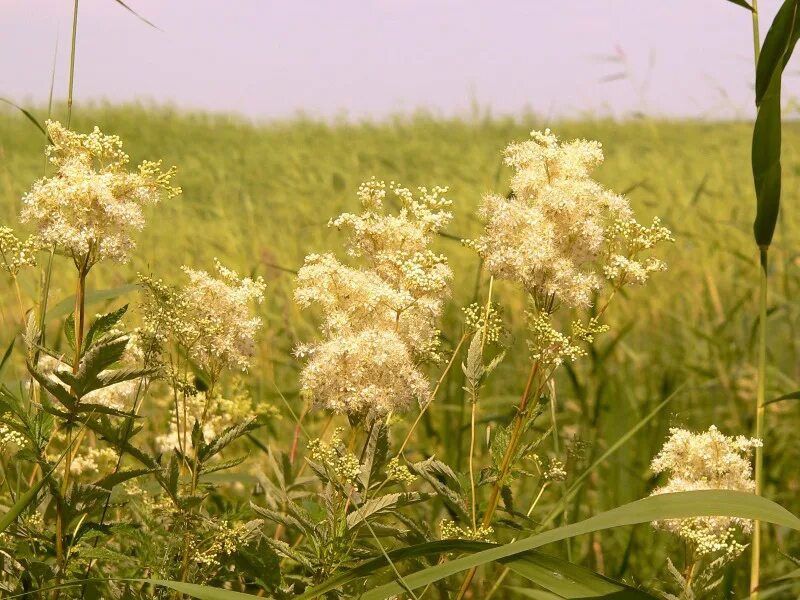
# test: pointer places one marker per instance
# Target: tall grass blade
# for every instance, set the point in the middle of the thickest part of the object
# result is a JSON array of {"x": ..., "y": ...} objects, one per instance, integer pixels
[
  {"x": 742, "y": 3},
  {"x": 665, "y": 506},
  {"x": 29, "y": 116},
  {"x": 766, "y": 150},
  {"x": 137, "y": 15}
]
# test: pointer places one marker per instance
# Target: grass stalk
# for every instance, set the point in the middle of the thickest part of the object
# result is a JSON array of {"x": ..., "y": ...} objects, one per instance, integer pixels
[
  {"x": 755, "y": 548},
  {"x": 72, "y": 62},
  {"x": 755, "y": 556}
]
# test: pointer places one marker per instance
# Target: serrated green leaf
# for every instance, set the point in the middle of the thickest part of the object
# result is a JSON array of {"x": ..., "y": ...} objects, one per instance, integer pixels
[
  {"x": 103, "y": 324},
  {"x": 69, "y": 330}
]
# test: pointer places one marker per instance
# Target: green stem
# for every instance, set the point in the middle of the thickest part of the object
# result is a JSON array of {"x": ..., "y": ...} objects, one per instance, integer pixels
[
  {"x": 755, "y": 556},
  {"x": 505, "y": 467},
  {"x": 72, "y": 62},
  {"x": 755, "y": 551}
]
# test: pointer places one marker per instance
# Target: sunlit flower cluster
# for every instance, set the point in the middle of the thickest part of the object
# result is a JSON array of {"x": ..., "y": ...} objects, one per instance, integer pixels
[
  {"x": 16, "y": 254},
  {"x": 10, "y": 437},
  {"x": 489, "y": 321},
  {"x": 225, "y": 539},
  {"x": 216, "y": 413},
  {"x": 706, "y": 461},
  {"x": 449, "y": 530},
  {"x": 90, "y": 461},
  {"x": 92, "y": 205},
  {"x": 340, "y": 463},
  {"x": 398, "y": 472},
  {"x": 379, "y": 320},
  {"x": 210, "y": 317},
  {"x": 559, "y": 229}
]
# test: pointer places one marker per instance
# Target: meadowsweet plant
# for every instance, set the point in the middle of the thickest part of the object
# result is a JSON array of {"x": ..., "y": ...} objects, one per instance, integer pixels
[
  {"x": 707, "y": 460},
  {"x": 90, "y": 207},
  {"x": 204, "y": 329},
  {"x": 570, "y": 243},
  {"x": 379, "y": 318}
]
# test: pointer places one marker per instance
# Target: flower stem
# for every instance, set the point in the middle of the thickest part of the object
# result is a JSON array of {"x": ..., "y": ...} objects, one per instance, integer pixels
[
  {"x": 505, "y": 466},
  {"x": 755, "y": 556},
  {"x": 755, "y": 550}
]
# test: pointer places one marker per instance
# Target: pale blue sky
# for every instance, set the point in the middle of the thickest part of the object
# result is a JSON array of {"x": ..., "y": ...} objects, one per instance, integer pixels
[{"x": 266, "y": 58}]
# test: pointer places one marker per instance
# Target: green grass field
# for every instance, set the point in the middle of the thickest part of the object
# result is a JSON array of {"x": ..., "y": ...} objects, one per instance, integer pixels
[{"x": 258, "y": 197}]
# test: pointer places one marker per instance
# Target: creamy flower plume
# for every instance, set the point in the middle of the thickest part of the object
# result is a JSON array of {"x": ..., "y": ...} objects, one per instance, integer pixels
[
  {"x": 92, "y": 205},
  {"x": 560, "y": 232},
  {"x": 379, "y": 320},
  {"x": 706, "y": 461},
  {"x": 210, "y": 317}
]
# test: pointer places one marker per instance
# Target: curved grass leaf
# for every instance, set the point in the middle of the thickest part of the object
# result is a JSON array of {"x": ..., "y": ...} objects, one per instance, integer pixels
[
  {"x": 665, "y": 506},
  {"x": 766, "y": 149},
  {"x": 28, "y": 116},
  {"x": 568, "y": 580},
  {"x": 6, "y": 355},
  {"x": 203, "y": 592},
  {"x": 791, "y": 396},
  {"x": 742, "y": 3},
  {"x": 140, "y": 17}
]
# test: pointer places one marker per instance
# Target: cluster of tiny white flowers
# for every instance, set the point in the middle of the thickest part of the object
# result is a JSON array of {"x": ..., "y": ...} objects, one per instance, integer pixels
[
  {"x": 90, "y": 461},
  {"x": 209, "y": 317},
  {"x": 340, "y": 463},
  {"x": 488, "y": 322},
  {"x": 220, "y": 413},
  {"x": 559, "y": 227},
  {"x": 10, "y": 437},
  {"x": 225, "y": 541},
  {"x": 706, "y": 461},
  {"x": 548, "y": 345},
  {"x": 16, "y": 254},
  {"x": 555, "y": 471},
  {"x": 449, "y": 530},
  {"x": 91, "y": 207},
  {"x": 396, "y": 471},
  {"x": 380, "y": 319}
]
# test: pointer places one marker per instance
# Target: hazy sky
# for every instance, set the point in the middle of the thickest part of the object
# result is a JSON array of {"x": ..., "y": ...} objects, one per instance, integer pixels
[{"x": 266, "y": 58}]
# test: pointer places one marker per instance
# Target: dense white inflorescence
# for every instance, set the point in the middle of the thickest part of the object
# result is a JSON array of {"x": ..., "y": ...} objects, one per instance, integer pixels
[
  {"x": 210, "y": 317},
  {"x": 560, "y": 233},
  {"x": 706, "y": 461},
  {"x": 379, "y": 320},
  {"x": 92, "y": 205}
]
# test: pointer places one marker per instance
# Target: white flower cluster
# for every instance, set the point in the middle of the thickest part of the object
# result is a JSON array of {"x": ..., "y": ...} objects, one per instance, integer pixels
[
  {"x": 398, "y": 472},
  {"x": 9, "y": 437},
  {"x": 706, "y": 461},
  {"x": 92, "y": 205},
  {"x": 210, "y": 317},
  {"x": 15, "y": 253},
  {"x": 379, "y": 320},
  {"x": 559, "y": 228},
  {"x": 92, "y": 461},
  {"x": 449, "y": 530},
  {"x": 220, "y": 413},
  {"x": 337, "y": 461}
]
